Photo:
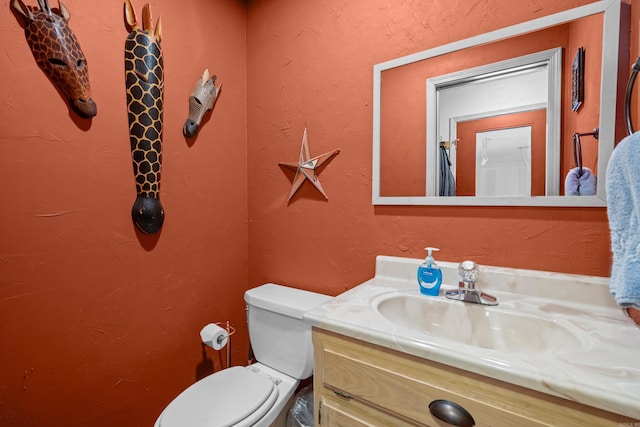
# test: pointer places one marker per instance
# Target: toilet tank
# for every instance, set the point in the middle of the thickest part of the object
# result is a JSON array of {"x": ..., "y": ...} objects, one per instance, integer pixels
[{"x": 279, "y": 337}]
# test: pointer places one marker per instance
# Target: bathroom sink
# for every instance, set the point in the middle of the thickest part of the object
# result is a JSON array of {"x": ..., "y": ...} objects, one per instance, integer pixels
[{"x": 496, "y": 328}]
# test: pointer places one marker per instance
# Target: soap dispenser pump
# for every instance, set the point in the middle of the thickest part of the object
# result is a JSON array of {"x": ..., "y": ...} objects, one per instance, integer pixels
[{"x": 429, "y": 274}]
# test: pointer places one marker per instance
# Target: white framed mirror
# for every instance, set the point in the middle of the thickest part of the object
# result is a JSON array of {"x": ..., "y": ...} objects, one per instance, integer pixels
[{"x": 411, "y": 121}]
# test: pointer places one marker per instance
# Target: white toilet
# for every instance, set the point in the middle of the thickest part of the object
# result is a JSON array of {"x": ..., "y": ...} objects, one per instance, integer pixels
[{"x": 257, "y": 394}]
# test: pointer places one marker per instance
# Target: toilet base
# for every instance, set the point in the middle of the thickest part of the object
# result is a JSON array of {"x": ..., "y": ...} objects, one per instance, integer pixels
[
  {"x": 281, "y": 420},
  {"x": 287, "y": 389}
]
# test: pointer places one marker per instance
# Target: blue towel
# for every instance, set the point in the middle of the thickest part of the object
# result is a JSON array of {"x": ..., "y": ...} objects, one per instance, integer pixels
[
  {"x": 623, "y": 202},
  {"x": 580, "y": 185}
]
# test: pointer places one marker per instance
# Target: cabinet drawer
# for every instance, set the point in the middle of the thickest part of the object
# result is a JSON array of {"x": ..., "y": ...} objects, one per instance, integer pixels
[
  {"x": 342, "y": 412},
  {"x": 405, "y": 385}
]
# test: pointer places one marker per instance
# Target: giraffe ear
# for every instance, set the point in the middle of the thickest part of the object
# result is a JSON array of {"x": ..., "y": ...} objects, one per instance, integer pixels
[
  {"x": 130, "y": 15},
  {"x": 64, "y": 12},
  {"x": 23, "y": 10}
]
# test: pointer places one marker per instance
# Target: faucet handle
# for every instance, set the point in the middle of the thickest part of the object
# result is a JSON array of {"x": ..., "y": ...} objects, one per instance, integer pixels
[
  {"x": 469, "y": 271},
  {"x": 467, "y": 290}
]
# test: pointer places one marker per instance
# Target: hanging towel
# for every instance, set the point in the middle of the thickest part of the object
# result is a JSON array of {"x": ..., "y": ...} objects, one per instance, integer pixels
[
  {"x": 447, "y": 181},
  {"x": 623, "y": 210},
  {"x": 580, "y": 185}
]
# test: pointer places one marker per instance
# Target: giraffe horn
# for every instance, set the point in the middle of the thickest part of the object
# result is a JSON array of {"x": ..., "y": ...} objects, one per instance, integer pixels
[
  {"x": 146, "y": 18},
  {"x": 158, "y": 32},
  {"x": 64, "y": 12},
  {"x": 130, "y": 15},
  {"x": 205, "y": 76},
  {"x": 23, "y": 10},
  {"x": 44, "y": 6}
]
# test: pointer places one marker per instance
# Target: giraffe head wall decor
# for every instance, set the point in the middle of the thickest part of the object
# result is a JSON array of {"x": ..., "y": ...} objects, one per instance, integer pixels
[
  {"x": 58, "y": 53},
  {"x": 202, "y": 98},
  {"x": 144, "y": 79}
]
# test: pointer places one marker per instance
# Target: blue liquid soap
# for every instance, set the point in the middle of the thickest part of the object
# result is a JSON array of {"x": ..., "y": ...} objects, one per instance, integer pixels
[{"x": 429, "y": 275}]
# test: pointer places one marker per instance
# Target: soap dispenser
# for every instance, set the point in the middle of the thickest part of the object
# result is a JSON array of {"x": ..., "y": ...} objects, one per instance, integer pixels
[{"x": 429, "y": 274}]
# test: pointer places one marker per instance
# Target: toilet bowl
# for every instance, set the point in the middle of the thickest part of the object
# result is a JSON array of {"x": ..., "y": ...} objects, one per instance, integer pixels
[{"x": 255, "y": 395}]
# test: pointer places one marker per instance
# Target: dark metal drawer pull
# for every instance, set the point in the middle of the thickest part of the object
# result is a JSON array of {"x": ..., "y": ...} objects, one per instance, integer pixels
[{"x": 451, "y": 413}]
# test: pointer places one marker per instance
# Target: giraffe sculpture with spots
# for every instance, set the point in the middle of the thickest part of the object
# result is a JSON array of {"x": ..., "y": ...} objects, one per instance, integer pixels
[
  {"x": 58, "y": 53},
  {"x": 145, "y": 92}
]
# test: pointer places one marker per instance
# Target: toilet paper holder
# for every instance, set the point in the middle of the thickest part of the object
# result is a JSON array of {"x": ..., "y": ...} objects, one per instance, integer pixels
[
  {"x": 218, "y": 335},
  {"x": 226, "y": 326}
]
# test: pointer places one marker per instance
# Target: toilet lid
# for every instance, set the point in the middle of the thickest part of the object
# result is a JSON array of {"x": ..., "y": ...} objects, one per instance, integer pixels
[{"x": 233, "y": 396}]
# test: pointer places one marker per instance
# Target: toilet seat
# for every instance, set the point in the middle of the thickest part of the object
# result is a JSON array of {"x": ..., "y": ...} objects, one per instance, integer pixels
[{"x": 235, "y": 396}]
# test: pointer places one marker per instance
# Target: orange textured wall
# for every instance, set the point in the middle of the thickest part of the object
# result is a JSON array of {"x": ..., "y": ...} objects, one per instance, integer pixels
[
  {"x": 312, "y": 63},
  {"x": 98, "y": 323}
]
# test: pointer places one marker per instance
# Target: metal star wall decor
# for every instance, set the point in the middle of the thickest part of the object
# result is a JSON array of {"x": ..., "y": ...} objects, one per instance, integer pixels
[{"x": 306, "y": 167}]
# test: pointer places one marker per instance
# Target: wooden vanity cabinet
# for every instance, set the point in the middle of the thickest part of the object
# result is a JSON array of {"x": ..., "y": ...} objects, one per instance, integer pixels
[{"x": 358, "y": 384}]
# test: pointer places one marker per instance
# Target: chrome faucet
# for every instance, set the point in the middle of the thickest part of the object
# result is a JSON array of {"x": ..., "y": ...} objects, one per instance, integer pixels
[{"x": 467, "y": 288}]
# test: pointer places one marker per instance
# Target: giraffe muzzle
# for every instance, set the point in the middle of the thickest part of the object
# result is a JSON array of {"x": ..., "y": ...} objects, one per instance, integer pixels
[
  {"x": 190, "y": 128},
  {"x": 147, "y": 214},
  {"x": 85, "y": 109}
]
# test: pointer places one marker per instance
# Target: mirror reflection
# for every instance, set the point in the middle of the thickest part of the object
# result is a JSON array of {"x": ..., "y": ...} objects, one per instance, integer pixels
[
  {"x": 523, "y": 92},
  {"x": 431, "y": 107}
]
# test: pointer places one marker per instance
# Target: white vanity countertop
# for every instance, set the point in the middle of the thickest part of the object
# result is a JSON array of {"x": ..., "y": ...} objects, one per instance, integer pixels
[{"x": 602, "y": 370}]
